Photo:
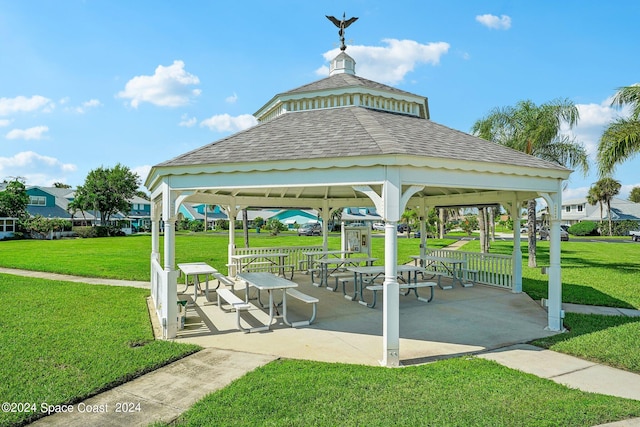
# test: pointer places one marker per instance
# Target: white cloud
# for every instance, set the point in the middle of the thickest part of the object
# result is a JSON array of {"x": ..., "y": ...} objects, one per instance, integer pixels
[
  {"x": 5, "y": 122},
  {"x": 497, "y": 23},
  {"x": 594, "y": 118},
  {"x": 142, "y": 171},
  {"x": 227, "y": 123},
  {"x": 24, "y": 104},
  {"x": 35, "y": 168},
  {"x": 167, "y": 87},
  {"x": 390, "y": 64},
  {"x": 231, "y": 99},
  {"x": 36, "y": 132},
  {"x": 187, "y": 122},
  {"x": 92, "y": 103}
]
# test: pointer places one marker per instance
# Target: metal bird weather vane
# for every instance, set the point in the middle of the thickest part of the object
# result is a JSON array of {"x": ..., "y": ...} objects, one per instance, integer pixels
[{"x": 342, "y": 25}]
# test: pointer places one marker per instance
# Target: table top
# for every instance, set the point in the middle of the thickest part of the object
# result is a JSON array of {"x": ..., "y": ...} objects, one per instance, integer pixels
[
  {"x": 439, "y": 258},
  {"x": 344, "y": 260},
  {"x": 275, "y": 254},
  {"x": 329, "y": 252},
  {"x": 266, "y": 281},
  {"x": 196, "y": 268},
  {"x": 380, "y": 268}
]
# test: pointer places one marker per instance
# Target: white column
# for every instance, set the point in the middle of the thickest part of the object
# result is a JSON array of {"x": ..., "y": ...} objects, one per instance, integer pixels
[
  {"x": 171, "y": 297},
  {"x": 326, "y": 217},
  {"x": 554, "y": 307},
  {"x": 391, "y": 195},
  {"x": 516, "y": 261},
  {"x": 232, "y": 211}
]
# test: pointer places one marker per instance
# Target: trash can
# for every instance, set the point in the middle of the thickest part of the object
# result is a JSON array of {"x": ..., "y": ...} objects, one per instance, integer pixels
[{"x": 182, "y": 313}]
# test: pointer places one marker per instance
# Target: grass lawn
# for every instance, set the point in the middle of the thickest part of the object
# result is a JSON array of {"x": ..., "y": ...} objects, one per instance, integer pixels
[
  {"x": 127, "y": 258},
  {"x": 593, "y": 273},
  {"x": 455, "y": 392},
  {"x": 61, "y": 342}
]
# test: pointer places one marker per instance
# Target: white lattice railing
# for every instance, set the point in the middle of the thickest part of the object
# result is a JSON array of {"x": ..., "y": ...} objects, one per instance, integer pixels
[
  {"x": 296, "y": 255},
  {"x": 493, "y": 270},
  {"x": 164, "y": 294}
]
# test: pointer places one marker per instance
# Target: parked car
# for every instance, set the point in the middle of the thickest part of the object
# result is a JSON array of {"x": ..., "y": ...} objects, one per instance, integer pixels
[
  {"x": 635, "y": 235},
  {"x": 310, "y": 229},
  {"x": 402, "y": 228},
  {"x": 545, "y": 235},
  {"x": 378, "y": 226}
]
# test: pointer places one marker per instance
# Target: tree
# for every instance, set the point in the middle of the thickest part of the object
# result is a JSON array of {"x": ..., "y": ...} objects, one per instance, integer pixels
[
  {"x": 603, "y": 192},
  {"x": 61, "y": 185},
  {"x": 14, "y": 200},
  {"x": 634, "y": 196},
  {"x": 536, "y": 130},
  {"x": 108, "y": 191},
  {"x": 621, "y": 139}
]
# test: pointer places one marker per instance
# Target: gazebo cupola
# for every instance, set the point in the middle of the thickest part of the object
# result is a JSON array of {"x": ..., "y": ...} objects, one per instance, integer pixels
[{"x": 342, "y": 63}]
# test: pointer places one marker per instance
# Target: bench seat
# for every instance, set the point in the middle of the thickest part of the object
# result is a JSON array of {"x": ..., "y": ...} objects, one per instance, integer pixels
[
  {"x": 236, "y": 303},
  {"x": 403, "y": 286},
  {"x": 308, "y": 299},
  {"x": 466, "y": 273}
]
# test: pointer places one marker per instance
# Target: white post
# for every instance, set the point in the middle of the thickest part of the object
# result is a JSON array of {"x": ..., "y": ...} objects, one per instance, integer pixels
[
  {"x": 232, "y": 211},
  {"x": 171, "y": 297},
  {"x": 326, "y": 216},
  {"x": 391, "y": 195},
  {"x": 516, "y": 261},
  {"x": 554, "y": 308}
]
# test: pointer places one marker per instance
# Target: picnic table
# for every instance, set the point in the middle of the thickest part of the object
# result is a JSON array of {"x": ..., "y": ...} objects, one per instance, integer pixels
[
  {"x": 267, "y": 282},
  {"x": 451, "y": 265},
  {"x": 263, "y": 262},
  {"x": 373, "y": 272},
  {"x": 339, "y": 263},
  {"x": 311, "y": 256},
  {"x": 196, "y": 269}
]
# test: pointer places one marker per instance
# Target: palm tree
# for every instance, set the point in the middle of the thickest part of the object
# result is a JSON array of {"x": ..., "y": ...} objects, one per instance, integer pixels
[
  {"x": 535, "y": 130},
  {"x": 604, "y": 191},
  {"x": 621, "y": 140}
]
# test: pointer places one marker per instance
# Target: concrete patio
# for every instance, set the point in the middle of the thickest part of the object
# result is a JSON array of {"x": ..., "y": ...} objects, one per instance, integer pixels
[{"x": 458, "y": 321}]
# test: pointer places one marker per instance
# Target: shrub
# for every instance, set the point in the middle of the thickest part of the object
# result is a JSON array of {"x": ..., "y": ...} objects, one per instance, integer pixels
[
  {"x": 622, "y": 228},
  {"x": 85, "y": 232},
  {"x": 584, "y": 228},
  {"x": 196, "y": 226}
]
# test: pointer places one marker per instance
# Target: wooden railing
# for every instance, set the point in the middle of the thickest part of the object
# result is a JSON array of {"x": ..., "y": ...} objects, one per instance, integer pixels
[{"x": 493, "y": 270}]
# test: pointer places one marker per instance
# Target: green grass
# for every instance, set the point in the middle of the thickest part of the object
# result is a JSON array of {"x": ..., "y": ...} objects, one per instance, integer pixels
[
  {"x": 61, "y": 342},
  {"x": 612, "y": 340},
  {"x": 593, "y": 273},
  {"x": 128, "y": 258},
  {"x": 456, "y": 392}
]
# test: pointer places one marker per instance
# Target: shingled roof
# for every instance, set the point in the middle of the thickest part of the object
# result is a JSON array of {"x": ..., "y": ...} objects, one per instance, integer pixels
[{"x": 352, "y": 131}]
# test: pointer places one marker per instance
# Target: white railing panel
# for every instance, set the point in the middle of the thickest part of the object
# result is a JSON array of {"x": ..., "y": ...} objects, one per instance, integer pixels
[
  {"x": 493, "y": 270},
  {"x": 164, "y": 288},
  {"x": 295, "y": 254}
]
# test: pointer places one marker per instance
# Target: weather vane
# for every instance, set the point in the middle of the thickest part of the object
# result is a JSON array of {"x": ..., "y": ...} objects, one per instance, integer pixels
[{"x": 342, "y": 25}]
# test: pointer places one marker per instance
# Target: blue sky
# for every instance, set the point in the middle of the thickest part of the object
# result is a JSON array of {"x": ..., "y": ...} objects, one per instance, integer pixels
[{"x": 93, "y": 83}]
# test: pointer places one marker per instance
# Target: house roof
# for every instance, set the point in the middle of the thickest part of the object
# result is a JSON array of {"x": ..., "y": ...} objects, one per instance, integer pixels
[{"x": 352, "y": 132}]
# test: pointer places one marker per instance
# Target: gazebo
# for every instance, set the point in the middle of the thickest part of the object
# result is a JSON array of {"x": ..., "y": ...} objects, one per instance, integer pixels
[{"x": 345, "y": 141}]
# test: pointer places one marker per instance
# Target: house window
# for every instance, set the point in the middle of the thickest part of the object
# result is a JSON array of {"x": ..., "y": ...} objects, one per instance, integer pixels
[
  {"x": 38, "y": 200},
  {"x": 7, "y": 225},
  {"x": 567, "y": 208},
  {"x": 579, "y": 208}
]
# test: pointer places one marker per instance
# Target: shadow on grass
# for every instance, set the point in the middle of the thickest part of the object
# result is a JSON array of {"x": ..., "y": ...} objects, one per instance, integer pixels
[{"x": 573, "y": 293}]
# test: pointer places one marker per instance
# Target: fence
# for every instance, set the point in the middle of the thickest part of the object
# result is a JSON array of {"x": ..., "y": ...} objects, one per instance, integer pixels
[
  {"x": 296, "y": 254},
  {"x": 493, "y": 270}
]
